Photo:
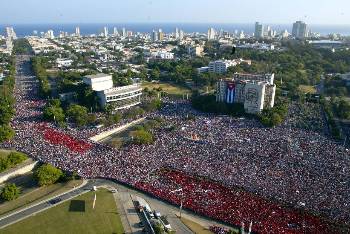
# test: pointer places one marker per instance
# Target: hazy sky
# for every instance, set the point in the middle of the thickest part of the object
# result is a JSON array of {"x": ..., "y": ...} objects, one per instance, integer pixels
[{"x": 199, "y": 11}]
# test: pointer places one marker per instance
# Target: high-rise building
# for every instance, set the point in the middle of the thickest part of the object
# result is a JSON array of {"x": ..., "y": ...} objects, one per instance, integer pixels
[
  {"x": 181, "y": 35},
  {"x": 124, "y": 32},
  {"x": 259, "y": 30},
  {"x": 211, "y": 34},
  {"x": 160, "y": 35},
  {"x": 177, "y": 34},
  {"x": 50, "y": 34},
  {"x": 11, "y": 33},
  {"x": 77, "y": 31},
  {"x": 105, "y": 31},
  {"x": 154, "y": 36},
  {"x": 115, "y": 31},
  {"x": 300, "y": 30}
]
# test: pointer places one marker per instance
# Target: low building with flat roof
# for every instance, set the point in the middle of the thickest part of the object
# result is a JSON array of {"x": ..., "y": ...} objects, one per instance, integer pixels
[{"x": 99, "y": 82}]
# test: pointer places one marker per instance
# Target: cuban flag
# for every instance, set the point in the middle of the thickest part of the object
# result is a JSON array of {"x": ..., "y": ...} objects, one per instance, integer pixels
[{"x": 230, "y": 92}]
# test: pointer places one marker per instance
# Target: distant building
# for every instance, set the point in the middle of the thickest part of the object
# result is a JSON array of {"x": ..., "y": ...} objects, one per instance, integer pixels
[
  {"x": 105, "y": 31},
  {"x": 326, "y": 44},
  {"x": 121, "y": 97},
  {"x": 255, "y": 92},
  {"x": 177, "y": 34},
  {"x": 181, "y": 35},
  {"x": 123, "y": 32},
  {"x": 154, "y": 36},
  {"x": 211, "y": 34},
  {"x": 259, "y": 30},
  {"x": 77, "y": 32},
  {"x": 99, "y": 82},
  {"x": 61, "y": 63},
  {"x": 220, "y": 66},
  {"x": 50, "y": 34},
  {"x": 202, "y": 70},
  {"x": 195, "y": 50},
  {"x": 160, "y": 35},
  {"x": 300, "y": 30},
  {"x": 10, "y": 33}
]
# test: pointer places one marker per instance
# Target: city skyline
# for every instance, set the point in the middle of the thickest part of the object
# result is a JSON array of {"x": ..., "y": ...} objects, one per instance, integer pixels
[{"x": 156, "y": 11}]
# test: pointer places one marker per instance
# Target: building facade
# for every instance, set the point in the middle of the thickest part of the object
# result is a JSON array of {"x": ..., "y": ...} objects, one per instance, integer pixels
[
  {"x": 259, "y": 30},
  {"x": 99, "y": 82},
  {"x": 121, "y": 97},
  {"x": 300, "y": 30},
  {"x": 255, "y": 92}
]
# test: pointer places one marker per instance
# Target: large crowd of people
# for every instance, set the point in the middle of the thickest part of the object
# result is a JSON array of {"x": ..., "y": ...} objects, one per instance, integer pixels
[{"x": 235, "y": 170}]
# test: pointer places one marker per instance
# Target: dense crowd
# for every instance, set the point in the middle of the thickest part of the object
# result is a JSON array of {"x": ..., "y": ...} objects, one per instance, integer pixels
[
  {"x": 239, "y": 161},
  {"x": 232, "y": 206}
]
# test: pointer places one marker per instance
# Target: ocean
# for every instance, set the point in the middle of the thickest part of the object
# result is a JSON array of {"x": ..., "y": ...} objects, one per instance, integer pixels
[{"x": 23, "y": 30}]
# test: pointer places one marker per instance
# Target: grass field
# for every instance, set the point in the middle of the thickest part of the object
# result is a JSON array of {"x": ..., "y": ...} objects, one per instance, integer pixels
[
  {"x": 74, "y": 216},
  {"x": 4, "y": 153},
  {"x": 307, "y": 89},
  {"x": 33, "y": 194},
  {"x": 168, "y": 88}
]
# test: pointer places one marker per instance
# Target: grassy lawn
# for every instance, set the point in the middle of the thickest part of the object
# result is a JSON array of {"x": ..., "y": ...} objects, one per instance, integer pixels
[
  {"x": 195, "y": 227},
  {"x": 307, "y": 89},
  {"x": 167, "y": 87},
  {"x": 74, "y": 216},
  {"x": 32, "y": 194},
  {"x": 4, "y": 153}
]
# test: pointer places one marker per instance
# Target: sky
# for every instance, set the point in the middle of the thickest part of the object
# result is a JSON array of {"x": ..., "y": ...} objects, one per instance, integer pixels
[{"x": 174, "y": 11}]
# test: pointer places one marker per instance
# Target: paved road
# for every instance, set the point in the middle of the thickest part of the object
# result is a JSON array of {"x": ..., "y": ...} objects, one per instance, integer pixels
[{"x": 12, "y": 218}]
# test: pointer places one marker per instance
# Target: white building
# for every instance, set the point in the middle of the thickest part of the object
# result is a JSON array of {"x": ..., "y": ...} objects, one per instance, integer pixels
[
  {"x": 121, "y": 97},
  {"x": 11, "y": 33},
  {"x": 77, "y": 32},
  {"x": 63, "y": 62},
  {"x": 255, "y": 92},
  {"x": 99, "y": 82},
  {"x": 220, "y": 66},
  {"x": 50, "y": 34},
  {"x": 105, "y": 31},
  {"x": 211, "y": 34},
  {"x": 300, "y": 30}
]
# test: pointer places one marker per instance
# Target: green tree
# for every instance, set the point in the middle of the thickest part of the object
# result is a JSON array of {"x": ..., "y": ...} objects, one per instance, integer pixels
[
  {"x": 78, "y": 114},
  {"x": 47, "y": 174},
  {"x": 10, "y": 192},
  {"x": 6, "y": 133},
  {"x": 54, "y": 113},
  {"x": 141, "y": 137},
  {"x": 158, "y": 228}
]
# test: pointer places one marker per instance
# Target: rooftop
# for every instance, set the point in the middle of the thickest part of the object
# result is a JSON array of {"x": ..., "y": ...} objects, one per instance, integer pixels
[{"x": 99, "y": 75}]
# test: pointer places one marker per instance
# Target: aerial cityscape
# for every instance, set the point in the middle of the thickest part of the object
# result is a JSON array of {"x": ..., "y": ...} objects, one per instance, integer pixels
[{"x": 175, "y": 119}]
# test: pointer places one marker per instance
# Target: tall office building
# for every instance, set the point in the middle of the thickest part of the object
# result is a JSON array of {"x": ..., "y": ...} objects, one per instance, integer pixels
[
  {"x": 177, "y": 34},
  {"x": 154, "y": 36},
  {"x": 211, "y": 34},
  {"x": 124, "y": 32},
  {"x": 77, "y": 31},
  {"x": 105, "y": 32},
  {"x": 181, "y": 35},
  {"x": 50, "y": 34},
  {"x": 160, "y": 35},
  {"x": 115, "y": 31},
  {"x": 259, "y": 30},
  {"x": 300, "y": 30},
  {"x": 11, "y": 33}
]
